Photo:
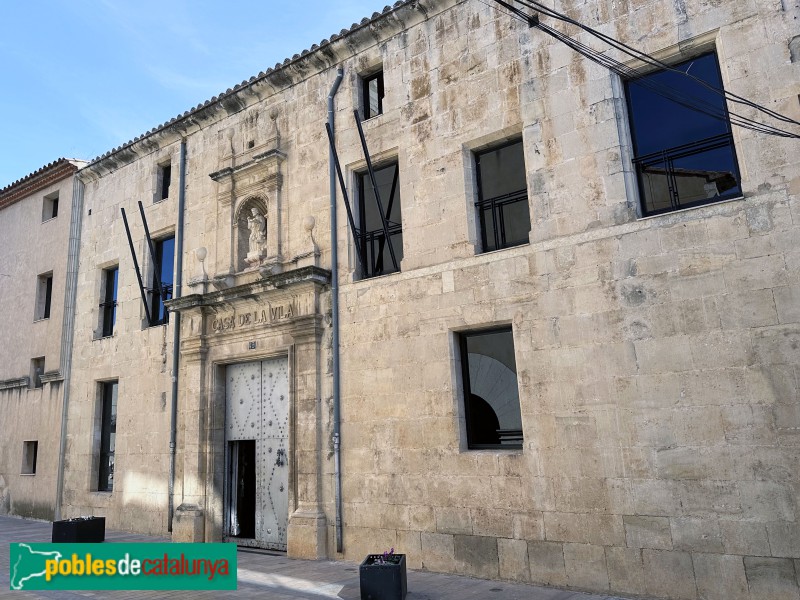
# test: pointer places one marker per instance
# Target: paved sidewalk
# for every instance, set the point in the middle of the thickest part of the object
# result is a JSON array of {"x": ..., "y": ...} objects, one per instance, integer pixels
[{"x": 273, "y": 576}]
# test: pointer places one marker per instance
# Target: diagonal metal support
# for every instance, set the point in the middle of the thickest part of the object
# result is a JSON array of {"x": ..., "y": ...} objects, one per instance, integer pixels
[
  {"x": 353, "y": 229},
  {"x": 136, "y": 266},
  {"x": 375, "y": 189},
  {"x": 156, "y": 276},
  {"x": 389, "y": 209}
]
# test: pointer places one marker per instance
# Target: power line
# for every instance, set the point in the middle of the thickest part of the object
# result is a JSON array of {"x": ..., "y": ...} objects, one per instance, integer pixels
[{"x": 633, "y": 74}]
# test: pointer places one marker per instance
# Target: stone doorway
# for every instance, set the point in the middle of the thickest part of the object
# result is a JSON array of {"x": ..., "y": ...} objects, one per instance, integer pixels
[{"x": 256, "y": 447}]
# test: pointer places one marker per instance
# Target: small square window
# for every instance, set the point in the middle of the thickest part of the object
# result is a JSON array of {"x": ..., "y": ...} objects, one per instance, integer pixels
[
  {"x": 44, "y": 294},
  {"x": 37, "y": 370},
  {"x": 108, "y": 307},
  {"x": 372, "y": 95},
  {"x": 29, "y": 454},
  {"x": 163, "y": 271},
  {"x": 108, "y": 435},
  {"x": 491, "y": 393},
  {"x": 682, "y": 140},
  {"x": 50, "y": 207},
  {"x": 372, "y": 242},
  {"x": 164, "y": 180},
  {"x": 502, "y": 203}
]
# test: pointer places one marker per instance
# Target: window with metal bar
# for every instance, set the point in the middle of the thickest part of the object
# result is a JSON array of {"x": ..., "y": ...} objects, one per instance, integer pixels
[
  {"x": 682, "y": 142},
  {"x": 163, "y": 271},
  {"x": 108, "y": 435},
  {"x": 502, "y": 203},
  {"x": 44, "y": 296},
  {"x": 491, "y": 393},
  {"x": 371, "y": 238},
  {"x": 372, "y": 95},
  {"x": 108, "y": 307}
]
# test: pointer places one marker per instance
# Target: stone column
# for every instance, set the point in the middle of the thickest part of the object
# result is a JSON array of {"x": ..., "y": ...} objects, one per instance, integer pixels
[
  {"x": 189, "y": 523},
  {"x": 307, "y": 534}
]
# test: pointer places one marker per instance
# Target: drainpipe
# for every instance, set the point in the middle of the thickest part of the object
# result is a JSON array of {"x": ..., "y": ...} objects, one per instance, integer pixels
[
  {"x": 176, "y": 334},
  {"x": 68, "y": 328},
  {"x": 335, "y": 322}
]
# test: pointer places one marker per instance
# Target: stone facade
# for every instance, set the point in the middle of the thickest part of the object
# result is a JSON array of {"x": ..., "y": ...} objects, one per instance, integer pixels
[
  {"x": 657, "y": 358},
  {"x": 34, "y": 247}
]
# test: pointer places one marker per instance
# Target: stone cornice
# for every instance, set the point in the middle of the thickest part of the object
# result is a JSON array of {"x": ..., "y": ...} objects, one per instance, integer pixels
[
  {"x": 52, "y": 376},
  {"x": 274, "y": 154},
  {"x": 280, "y": 281},
  {"x": 10, "y": 384}
]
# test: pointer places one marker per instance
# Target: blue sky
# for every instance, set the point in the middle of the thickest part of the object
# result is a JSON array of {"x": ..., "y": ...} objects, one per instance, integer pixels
[{"x": 80, "y": 77}]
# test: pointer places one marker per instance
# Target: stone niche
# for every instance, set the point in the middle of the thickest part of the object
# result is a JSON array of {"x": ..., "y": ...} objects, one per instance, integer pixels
[{"x": 251, "y": 226}]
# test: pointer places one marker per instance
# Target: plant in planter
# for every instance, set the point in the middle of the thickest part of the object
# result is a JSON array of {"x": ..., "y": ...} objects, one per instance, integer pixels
[
  {"x": 79, "y": 529},
  {"x": 383, "y": 576}
]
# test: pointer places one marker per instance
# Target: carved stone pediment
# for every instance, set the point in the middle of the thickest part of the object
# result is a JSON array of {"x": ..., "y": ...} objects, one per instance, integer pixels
[{"x": 251, "y": 228}]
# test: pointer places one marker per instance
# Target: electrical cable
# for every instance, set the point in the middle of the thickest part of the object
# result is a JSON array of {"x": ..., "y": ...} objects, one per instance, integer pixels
[
  {"x": 633, "y": 74},
  {"x": 634, "y": 53}
]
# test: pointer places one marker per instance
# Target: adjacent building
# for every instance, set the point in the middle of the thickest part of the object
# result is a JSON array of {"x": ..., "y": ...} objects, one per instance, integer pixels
[
  {"x": 552, "y": 335},
  {"x": 36, "y": 226}
]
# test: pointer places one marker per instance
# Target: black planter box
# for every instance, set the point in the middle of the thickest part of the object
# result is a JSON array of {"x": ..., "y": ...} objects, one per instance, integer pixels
[
  {"x": 383, "y": 581},
  {"x": 82, "y": 529}
]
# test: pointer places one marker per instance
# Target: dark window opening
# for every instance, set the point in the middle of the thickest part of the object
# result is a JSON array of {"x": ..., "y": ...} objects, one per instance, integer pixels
[
  {"x": 243, "y": 488},
  {"x": 165, "y": 177},
  {"x": 108, "y": 435},
  {"x": 491, "y": 393},
  {"x": 162, "y": 273},
  {"x": 37, "y": 370},
  {"x": 30, "y": 451},
  {"x": 50, "y": 207},
  {"x": 683, "y": 157},
  {"x": 502, "y": 197},
  {"x": 44, "y": 296},
  {"x": 372, "y": 94},
  {"x": 108, "y": 307},
  {"x": 372, "y": 242}
]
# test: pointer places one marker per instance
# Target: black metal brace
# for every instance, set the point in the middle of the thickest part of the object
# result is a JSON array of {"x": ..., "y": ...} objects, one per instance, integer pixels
[
  {"x": 136, "y": 266},
  {"x": 353, "y": 229},
  {"x": 375, "y": 189},
  {"x": 156, "y": 276}
]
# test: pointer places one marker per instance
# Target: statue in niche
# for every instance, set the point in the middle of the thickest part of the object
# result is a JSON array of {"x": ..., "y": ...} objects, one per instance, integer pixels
[{"x": 257, "y": 225}]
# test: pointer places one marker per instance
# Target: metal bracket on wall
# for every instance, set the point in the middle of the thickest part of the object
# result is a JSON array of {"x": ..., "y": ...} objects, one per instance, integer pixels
[{"x": 136, "y": 262}]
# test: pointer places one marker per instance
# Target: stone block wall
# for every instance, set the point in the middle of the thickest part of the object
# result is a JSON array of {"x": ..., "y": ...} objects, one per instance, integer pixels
[{"x": 657, "y": 358}]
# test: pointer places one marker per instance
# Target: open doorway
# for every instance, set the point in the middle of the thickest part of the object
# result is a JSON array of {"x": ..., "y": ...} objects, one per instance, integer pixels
[{"x": 243, "y": 489}]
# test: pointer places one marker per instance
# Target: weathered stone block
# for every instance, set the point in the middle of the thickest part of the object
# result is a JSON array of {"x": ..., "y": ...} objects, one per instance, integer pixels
[
  {"x": 585, "y": 566},
  {"x": 669, "y": 574},
  {"x": 625, "y": 570},
  {"x": 648, "y": 532},
  {"x": 547, "y": 563},
  {"x": 787, "y": 302},
  {"x": 767, "y": 501},
  {"x": 513, "y": 559},
  {"x": 742, "y": 309},
  {"x": 696, "y": 535},
  {"x": 772, "y": 578},
  {"x": 784, "y": 539},
  {"x": 584, "y": 528},
  {"x": 476, "y": 555},
  {"x": 744, "y": 537},
  {"x": 720, "y": 577},
  {"x": 437, "y": 552}
]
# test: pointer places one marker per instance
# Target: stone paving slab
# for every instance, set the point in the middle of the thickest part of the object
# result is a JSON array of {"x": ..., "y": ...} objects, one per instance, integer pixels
[{"x": 272, "y": 575}]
